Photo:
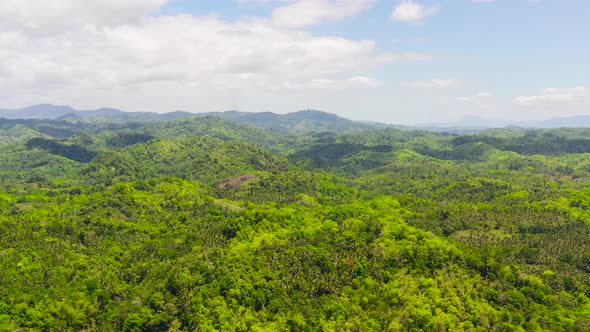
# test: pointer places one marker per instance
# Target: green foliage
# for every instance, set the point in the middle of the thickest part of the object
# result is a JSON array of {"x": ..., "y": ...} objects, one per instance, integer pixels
[
  {"x": 70, "y": 151},
  {"x": 308, "y": 121},
  {"x": 130, "y": 227}
]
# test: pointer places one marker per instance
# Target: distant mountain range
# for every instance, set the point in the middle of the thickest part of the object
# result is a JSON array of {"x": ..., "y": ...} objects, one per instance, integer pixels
[
  {"x": 572, "y": 121},
  {"x": 67, "y": 113},
  {"x": 475, "y": 122},
  {"x": 307, "y": 121},
  {"x": 302, "y": 121},
  {"x": 37, "y": 112}
]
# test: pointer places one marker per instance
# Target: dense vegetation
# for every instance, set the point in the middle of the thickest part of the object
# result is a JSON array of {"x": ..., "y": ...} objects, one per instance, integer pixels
[{"x": 205, "y": 224}]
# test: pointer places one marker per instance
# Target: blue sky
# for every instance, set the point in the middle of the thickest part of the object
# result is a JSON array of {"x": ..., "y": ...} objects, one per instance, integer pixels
[
  {"x": 384, "y": 60},
  {"x": 536, "y": 43}
]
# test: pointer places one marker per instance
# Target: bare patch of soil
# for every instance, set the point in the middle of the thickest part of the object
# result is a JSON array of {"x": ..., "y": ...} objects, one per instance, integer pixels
[{"x": 233, "y": 183}]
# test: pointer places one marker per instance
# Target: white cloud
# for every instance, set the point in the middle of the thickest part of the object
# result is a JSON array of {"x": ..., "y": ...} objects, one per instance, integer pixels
[
  {"x": 412, "y": 11},
  {"x": 433, "y": 83},
  {"x": 115, "y": 48},
  {"x": 56, "y": 16},
  {"x": 185, "y": 49},
  {"x": 304, "y": 13},
  {"x": 567, "y": 96}
]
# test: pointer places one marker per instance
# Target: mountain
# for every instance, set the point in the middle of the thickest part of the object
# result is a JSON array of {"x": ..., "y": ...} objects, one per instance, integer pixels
[
  {"x": 43, "y": 111},
  {"x": 580, "y": 121},
  {"x": 307, "y": 121},
  {"x": 467, "y": 124},
  {"x": 479, "y": 123},
  {"x": 12, "y": 130},
  {"x": 111, "y": 115},
  {"x": 301, "y": 122},
  {"x": 72, "y": 124},
  {"x": 226, "y": 130},
  {"x": 100, "y": 115}
]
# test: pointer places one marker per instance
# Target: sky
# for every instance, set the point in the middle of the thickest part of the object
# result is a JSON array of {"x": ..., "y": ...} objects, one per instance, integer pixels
[{"x": 392, "y": 61}]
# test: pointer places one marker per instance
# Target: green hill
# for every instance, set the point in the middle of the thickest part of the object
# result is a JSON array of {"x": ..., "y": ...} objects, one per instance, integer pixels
[
  {"x": 308, "y": 121},
  {"x": 225, "y": 130},
  {"x": 202, "y": 223}
]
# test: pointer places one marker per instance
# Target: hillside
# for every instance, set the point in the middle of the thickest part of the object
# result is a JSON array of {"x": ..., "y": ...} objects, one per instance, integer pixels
[
  {"x": 203, "y": 223},
  {"x": 276, "y": 142},
  {"x": 308, "y": 121},
  {"x": 15, "y": 130},
  {"x": 519, "y": 198}
]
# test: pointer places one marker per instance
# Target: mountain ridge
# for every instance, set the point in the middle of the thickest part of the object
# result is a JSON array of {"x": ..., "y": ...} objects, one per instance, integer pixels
[{"x": 303, "y": 121}]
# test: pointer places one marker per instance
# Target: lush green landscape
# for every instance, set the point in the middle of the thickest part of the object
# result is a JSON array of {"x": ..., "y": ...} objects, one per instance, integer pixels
[{"x": 200, "y": 223}]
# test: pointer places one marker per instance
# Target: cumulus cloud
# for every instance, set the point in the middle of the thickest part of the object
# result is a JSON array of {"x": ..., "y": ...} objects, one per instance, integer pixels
[
  {"x": 412, "y": 11},
  {"x": 184, "y": 49},
  {"x": 64, "y": 47},
  {"x": 567, "y": 96},
  {"x": 56, "y": 16},
  {"x": 304, "y": 13}
]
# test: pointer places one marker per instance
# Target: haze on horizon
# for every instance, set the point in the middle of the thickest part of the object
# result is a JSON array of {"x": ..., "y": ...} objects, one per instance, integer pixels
[{"x": 400, "y": 62}]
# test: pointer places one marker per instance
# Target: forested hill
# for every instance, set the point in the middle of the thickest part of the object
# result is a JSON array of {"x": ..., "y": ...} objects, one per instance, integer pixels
[
  {"x": 101, "y": 115},
  {"x": 308, "y": 121},
  {"x": 206, "y": 224}
]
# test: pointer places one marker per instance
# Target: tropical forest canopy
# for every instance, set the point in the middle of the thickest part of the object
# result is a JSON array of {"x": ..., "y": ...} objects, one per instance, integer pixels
[{"x": 209, "y": 223}]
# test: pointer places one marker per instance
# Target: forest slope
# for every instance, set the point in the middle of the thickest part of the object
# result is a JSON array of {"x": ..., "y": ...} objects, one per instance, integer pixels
[{"x": 128, "y": 228}]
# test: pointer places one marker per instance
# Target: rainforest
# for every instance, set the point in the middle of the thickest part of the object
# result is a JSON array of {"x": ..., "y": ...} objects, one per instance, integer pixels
[{"x": 202, "y": 223}]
